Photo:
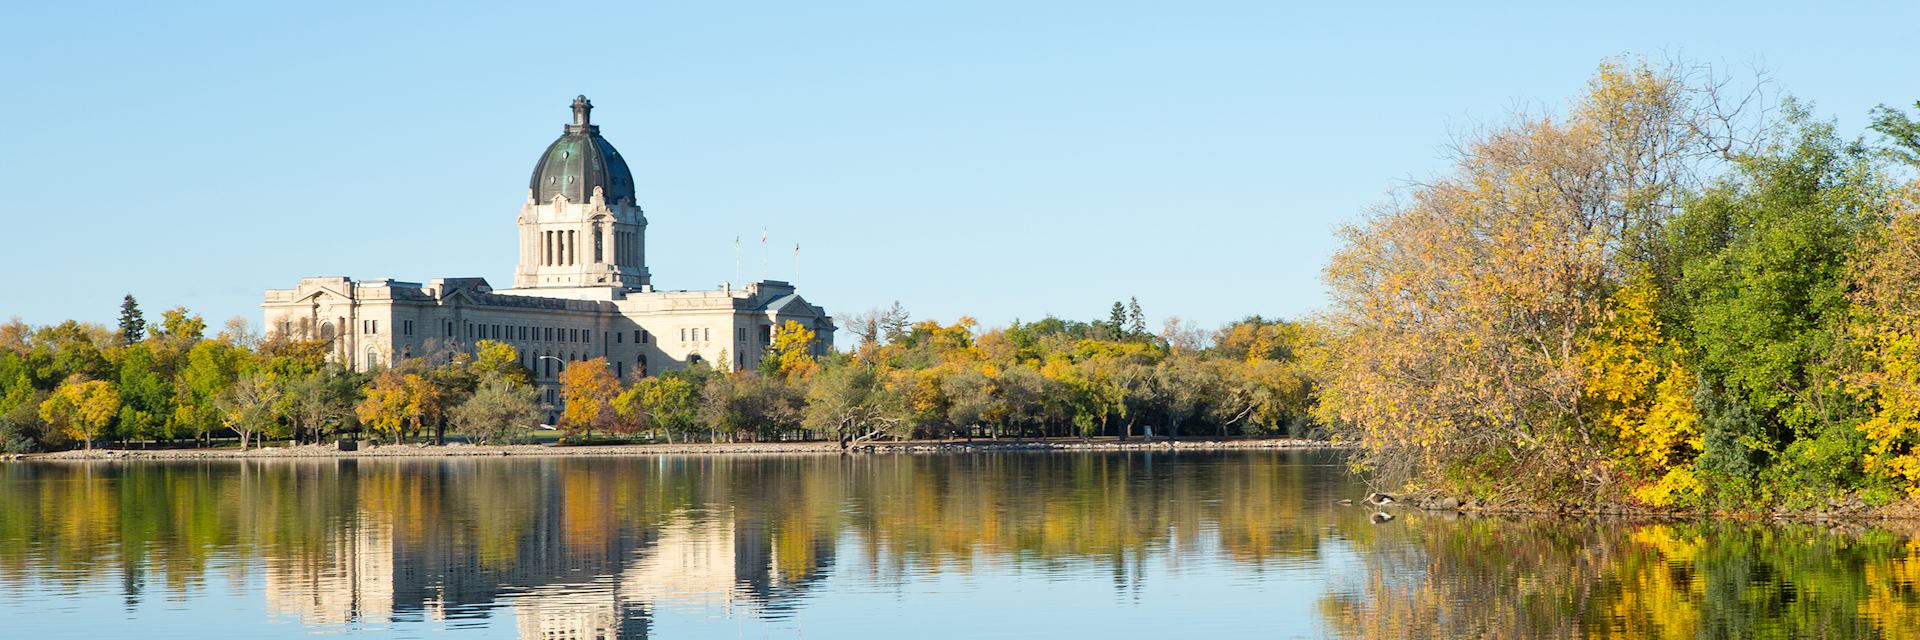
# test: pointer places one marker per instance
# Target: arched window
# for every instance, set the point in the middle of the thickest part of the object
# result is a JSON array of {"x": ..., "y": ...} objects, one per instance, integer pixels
[
  {"x": 640, "y": 370},
  {"x": 693, "y": 359},
  {"x": 599, "y": 244},
  {"x": 373, "y": 358}
]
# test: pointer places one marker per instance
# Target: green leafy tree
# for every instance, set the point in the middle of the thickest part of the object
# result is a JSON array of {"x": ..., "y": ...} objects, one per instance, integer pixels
[
  {"x": 1760, "y": 263},
  {"x": 145, "y": 395},
  {"x": 211, "y": 367},
  {"x": 852, "y": 404},
  {"x": 500, "y": 410},
  {"x": 1901, "y": 133},
  {"x": 250, "y": 405}
]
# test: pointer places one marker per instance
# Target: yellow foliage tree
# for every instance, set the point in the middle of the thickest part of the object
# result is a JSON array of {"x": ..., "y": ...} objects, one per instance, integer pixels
[
  {"x": 81, "y": 408},
  {"x": 1642, "y": 394},
  {"x": 398, "y": 403},
  {"x": 588, "y": 388},
  {"x": 1885, "y": 328},
  {"x": 792, "y": 351}
]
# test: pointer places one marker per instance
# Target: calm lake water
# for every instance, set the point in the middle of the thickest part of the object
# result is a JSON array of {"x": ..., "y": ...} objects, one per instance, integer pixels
[{"x": 1041, "y": 545}]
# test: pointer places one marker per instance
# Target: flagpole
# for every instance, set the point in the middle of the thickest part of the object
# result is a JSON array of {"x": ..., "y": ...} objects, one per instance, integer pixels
[
  {"x": 763, "y": 253},
  {"x": 736, "y": 258},
  {"x": 796, "y": 263}
]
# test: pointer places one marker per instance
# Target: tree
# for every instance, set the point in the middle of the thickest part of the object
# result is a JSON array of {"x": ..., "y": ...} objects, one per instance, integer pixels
[
  {"x": 851, "y": 404},
  {"x": 248, "y": 405},
  {"x": 1901, "y": 132},
  {"x": 973, "y": 400},
  {"x": 747, "y": 404},
  {"x": 1640, "y": 391},
  {"x": 498, "y": 360},
  {"x": 319, "y": 399},
  {"x": 211, "y": 366},
  {"x": 587, "y": 388},
  {"x": 1884, "y": 327},
  {"x": 791, "y": 354},
  {"x": 1136, "y": 320},
  {"x": 895, "y": 322},
  {"x": 1117, "y": 322},
  {"x": 1458, "y": 314},
  {"x": 81, "y": 408},
  {"x": 144, "y": 393},
  {"x": 667, "y": 404},
  {"x": 397, "y": 403},
  {"x": 133, "y": 328},
  {"x": 1760, "y": 261},
  {"x": 498, "y": 411},
  {"x": 179, "y": 324}
]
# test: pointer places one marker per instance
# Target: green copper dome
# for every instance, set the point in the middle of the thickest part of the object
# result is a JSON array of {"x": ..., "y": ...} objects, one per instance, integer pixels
[{"x": 579, "y": 161}]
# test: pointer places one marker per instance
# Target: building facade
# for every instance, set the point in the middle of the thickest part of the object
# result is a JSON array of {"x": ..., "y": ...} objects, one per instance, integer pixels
[{"x": 581, "y": 290}]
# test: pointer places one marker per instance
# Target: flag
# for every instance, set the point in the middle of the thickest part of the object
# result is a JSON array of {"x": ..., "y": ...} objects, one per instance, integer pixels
[{"x": 763, "y": 235}]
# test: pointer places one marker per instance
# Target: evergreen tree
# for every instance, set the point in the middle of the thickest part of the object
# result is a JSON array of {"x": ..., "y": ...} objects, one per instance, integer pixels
[
  {"x": 1136, "y": 319},
  {"x": 895, "y": 323},
  {"x": 1117, "y": 320},
  {"x": 133, "y": 327}
]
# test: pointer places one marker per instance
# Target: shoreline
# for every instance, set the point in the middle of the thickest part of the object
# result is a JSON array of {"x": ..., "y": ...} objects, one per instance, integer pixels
[
  {"x": 462, "y": 450},
  {"x": 1837, "y": 516}
]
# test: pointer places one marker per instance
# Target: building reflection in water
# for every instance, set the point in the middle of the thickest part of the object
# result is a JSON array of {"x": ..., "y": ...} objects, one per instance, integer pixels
[{"x": 574, "y": 569}]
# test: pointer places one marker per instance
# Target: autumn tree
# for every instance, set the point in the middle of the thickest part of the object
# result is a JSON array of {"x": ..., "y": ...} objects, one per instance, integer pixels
[
  {"x": 791, "y": 354},
  {"x": 1641, "y": 393},
  {"x": 397, "y": 403},
  {"x": 587, "y": 389},
  {"x": 1885, "y": 328},
  {"x": 498, "y": 360},
  {"x": 82, "y": 408},
  {"x": 1458, "y": 314}
]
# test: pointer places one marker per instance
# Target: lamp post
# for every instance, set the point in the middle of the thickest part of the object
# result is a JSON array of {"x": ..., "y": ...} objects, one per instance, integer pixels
[{"x": 563, "y": 363}]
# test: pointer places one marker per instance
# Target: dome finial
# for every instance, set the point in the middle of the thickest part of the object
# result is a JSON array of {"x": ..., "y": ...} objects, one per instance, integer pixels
[{"x": 582, "y": 108}]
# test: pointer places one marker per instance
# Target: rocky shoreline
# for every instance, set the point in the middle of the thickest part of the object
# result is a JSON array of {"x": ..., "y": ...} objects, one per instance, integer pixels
[
  {"x": 369, "y": 450},
  {"x": 1837, "y": 515}
]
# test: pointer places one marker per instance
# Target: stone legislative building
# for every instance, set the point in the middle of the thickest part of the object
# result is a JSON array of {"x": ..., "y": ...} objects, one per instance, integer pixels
[{"x": 582, "y": 290}]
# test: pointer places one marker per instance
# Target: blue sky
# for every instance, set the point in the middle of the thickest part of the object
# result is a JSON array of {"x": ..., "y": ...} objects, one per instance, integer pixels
[{"x": 999, "y": 159}]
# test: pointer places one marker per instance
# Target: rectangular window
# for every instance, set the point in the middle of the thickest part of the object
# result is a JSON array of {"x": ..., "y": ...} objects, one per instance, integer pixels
[
  {"x": 617, "y": 337},
  {"x": 619, "y": 369},
  {"x": 409, "y": 327},
  {"x": 449, "y": 328},
  {"x": 740, "y": 334},
  {"x": 683, "y": 334},
  {"x": 766, "y": 334}
]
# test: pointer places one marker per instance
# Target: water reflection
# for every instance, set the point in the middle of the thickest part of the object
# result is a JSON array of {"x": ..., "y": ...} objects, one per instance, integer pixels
[{"x": 1252, "y": 544}]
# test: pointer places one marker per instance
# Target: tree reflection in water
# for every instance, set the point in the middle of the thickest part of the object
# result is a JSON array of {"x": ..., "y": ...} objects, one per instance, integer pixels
[{"x": 595, "y": 547}]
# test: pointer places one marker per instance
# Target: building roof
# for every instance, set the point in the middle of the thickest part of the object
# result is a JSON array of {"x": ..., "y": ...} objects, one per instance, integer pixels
[{"x": 580, "y": 161}]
